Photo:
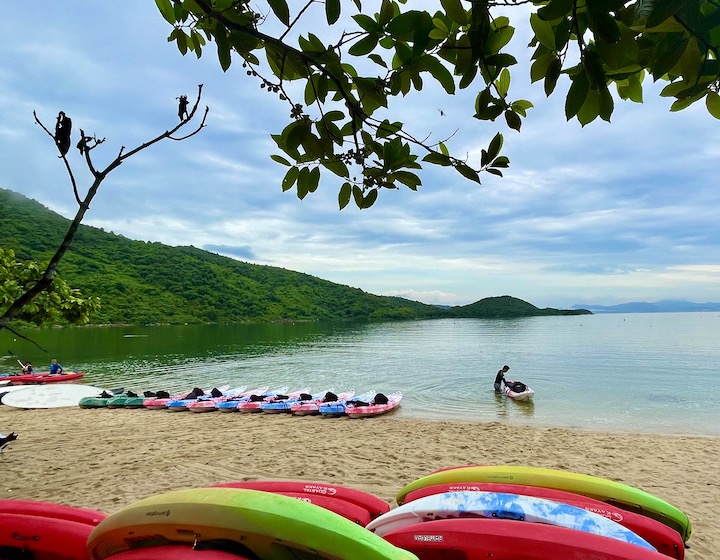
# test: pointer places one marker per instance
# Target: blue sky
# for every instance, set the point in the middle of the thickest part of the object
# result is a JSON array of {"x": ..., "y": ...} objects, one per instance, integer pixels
[{"x": 626, "y": 211}]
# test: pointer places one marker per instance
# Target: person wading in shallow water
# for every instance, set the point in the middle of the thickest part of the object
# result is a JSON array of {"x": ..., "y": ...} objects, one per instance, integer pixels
[{"x": 500, "y": 378}]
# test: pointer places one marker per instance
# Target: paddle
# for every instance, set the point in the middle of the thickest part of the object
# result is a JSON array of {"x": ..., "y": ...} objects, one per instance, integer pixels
[{"x": 16, "y": 358}]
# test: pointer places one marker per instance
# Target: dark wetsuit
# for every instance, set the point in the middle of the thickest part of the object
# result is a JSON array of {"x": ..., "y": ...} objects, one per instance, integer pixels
[{"x": 499, "y": 378}]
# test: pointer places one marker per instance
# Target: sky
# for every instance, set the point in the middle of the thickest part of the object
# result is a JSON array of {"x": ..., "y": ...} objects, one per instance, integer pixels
[{"x": 605, "y": 214}]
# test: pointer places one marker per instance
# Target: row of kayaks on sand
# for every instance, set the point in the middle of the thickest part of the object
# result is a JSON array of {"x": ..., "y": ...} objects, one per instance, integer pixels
[
  {"x": 468, "y": 512},
  {"x": 300, "y": 402}
]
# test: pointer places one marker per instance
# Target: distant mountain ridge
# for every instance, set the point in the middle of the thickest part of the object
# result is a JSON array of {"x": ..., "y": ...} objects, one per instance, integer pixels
[
  {"x": 151, "y": 283},
  {"x": 663, "y": 306}
]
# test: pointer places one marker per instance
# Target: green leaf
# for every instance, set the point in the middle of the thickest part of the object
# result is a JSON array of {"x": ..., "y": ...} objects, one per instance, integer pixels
[
  {"x": 543, "y": 31},
  {"x": 555, "y": 10},
  {"x": 513, "y": 120},
  {"x": 367, "y": 23},
  {"x": 280, "y": 159},
  {"x": 439, "y": 72},
  {"x": 455, "y": 10},
  {"x": 503, "y": 83},
  {"x": 590, "y": 109},
  {"x": 167, "y": 10},
  {"x": 662, "y": 10},
  {"x": 438, "y": 159},
  {"x": 712, "y": 102},
  {"x": 332, "y": 11},
  {"x": 313, "y": 179},
  {"x": 577, "y": 95},
  {"x": 337, "y": 167},
  {"x": 344, "y": 195},
  {"x": 495, "y": 146},
  {"x": 408, "y": 179},
  {"x": 365, "y": 45},
  {"x": 552, "y": 75},
  {"x": 468, "y": 172},
  {"x": 281, "y": 10},
  {"x": 303, "y": 183},
  {"x": 290, "y": 178}
]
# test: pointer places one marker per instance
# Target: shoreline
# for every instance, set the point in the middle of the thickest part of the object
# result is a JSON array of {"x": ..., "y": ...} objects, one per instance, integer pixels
[{"x": 107, "y": 458}]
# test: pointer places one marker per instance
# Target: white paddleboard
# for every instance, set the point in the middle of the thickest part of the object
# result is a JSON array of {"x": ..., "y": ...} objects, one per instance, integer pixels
[{"x": 49, "y": 396}]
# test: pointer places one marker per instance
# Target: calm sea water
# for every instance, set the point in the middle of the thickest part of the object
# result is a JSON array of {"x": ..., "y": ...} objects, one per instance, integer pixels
[{"x": 629, "y": 372}]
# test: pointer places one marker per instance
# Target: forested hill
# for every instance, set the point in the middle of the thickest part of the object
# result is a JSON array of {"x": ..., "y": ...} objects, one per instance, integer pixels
[{"x": 145, "y": 283}]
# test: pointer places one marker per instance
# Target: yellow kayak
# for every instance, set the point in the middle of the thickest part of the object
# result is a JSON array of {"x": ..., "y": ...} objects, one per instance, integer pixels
[{"x": 270, "y": 526}]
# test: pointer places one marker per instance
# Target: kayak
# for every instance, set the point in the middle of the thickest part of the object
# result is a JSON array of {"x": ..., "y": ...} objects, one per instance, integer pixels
[
  {"x": 177, "y": 405},
  {"x": 231, "y": 404},
  {"x": 282, "y": 403},
  {"x": 209, "y": 404},
  {"x": 337, "y": 408},
  {"x": 518, "y": 391},
  {"x": 306, "y": 408},
  {"x": 43, "y": 377},
  {"x": 375, "y": 407},
  {"x": 253, "y": 404}
]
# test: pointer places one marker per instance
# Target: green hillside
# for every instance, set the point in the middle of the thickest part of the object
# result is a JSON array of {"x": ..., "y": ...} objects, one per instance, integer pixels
[
  {"x": 149, "y": 283},
  {"x": 504, "y": 307}
]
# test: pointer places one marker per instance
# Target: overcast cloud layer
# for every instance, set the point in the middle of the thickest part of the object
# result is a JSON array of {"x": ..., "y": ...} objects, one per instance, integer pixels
[{"x": 610, "y": 213}]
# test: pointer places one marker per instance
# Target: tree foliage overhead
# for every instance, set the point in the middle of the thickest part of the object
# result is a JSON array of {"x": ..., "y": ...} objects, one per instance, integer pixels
[{"x": 367, "y": 53}]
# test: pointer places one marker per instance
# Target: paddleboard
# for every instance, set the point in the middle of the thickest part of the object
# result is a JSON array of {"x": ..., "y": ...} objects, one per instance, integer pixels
[
  {"x": 49, "y": 396},
  {"x": 617, "y": 493},
  {"x": 270, "y": 526},
  {"x": 665, "y": 539},
  {"x": 502, "y": 539},
  {"x": 504, "y": 506}
]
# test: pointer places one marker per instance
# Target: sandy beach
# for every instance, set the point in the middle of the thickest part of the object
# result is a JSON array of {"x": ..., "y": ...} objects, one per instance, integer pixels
[{"x": 105, "y": 459}]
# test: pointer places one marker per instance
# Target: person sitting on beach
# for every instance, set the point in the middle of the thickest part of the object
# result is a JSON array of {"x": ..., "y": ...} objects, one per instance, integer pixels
[
  {"x": 55, "y": 368},
  {"x": 500, "y": 378},
  {"x": 27, "y": 368}
]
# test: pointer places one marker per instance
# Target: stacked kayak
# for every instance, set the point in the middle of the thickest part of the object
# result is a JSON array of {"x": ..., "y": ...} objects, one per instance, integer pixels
[
  {"x": 531, "y": 513},
  {"x": 245, "y": 522},
  {"x": 45, "y": 531}
]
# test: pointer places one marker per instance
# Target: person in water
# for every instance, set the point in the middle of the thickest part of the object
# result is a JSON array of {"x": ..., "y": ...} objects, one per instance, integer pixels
[
  {"x": 500, "y": 378},
  {"x": 27, "y": 368},
  {"x": 55, "y": 368}
]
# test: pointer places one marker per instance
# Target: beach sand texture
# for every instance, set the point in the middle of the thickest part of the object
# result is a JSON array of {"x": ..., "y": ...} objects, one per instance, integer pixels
[{"x": 106, "y": 459}]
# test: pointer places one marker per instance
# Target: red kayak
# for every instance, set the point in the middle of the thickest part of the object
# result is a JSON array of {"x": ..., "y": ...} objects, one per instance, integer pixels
[
  {"x": 43, "y": 377},
  {"x": 373, "y": 505},
  {"x": 503, "y": 539},
  {"x": 45, "y": 531}
]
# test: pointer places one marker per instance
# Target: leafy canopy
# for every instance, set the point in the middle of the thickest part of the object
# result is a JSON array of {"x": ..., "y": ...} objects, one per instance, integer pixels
[{"x": 338, "y": 123}]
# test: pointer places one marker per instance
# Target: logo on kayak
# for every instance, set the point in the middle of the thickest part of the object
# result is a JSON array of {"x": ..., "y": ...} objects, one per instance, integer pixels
[
  {"x": 464, "y": 487},
  {"x": 325, "y": 490},
  {"x": 166, "y": 513},
  {"x": 428, "y": 538},
  {"x": 611, "y": 515}
]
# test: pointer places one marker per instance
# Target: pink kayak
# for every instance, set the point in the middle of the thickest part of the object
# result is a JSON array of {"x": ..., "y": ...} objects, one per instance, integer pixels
[
  {"x": 253, "y": 405},
  {"x": 305, "y": 408},
  {"x": 209, "y": 404},
  {"x": 378, "y": 406}
]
